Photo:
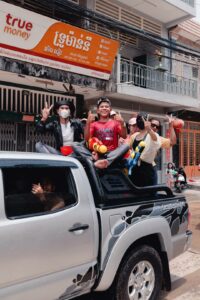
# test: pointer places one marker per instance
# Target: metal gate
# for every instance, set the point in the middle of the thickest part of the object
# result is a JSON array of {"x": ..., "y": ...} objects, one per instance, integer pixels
[
  {"x": 21, "y": 137},
  {"x": 8, "y": 136},
  {"x": 190, "y": 148}
]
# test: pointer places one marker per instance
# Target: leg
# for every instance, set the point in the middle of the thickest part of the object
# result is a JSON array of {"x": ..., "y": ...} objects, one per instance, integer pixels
[
  {"x": 142, "y": 175},
  {"x": 155, "y": 176},
  {"x": 81, "y": 150},
  {"x": 44, "y": 148},
  {"x": 117, "y": 154}
]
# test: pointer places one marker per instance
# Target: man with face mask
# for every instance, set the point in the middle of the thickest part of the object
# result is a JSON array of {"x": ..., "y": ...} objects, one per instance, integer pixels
[{"x": 65, "y": 128}]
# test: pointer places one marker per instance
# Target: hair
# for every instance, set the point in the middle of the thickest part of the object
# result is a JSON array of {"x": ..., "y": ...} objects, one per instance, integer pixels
[
  {"x": 103, "y": 99},
  {"x": 172, "y": 164},
  {"x": 141, "y": 117},
  {"x": 154, "y": 120},
  {"x": 48, "y": 181}
]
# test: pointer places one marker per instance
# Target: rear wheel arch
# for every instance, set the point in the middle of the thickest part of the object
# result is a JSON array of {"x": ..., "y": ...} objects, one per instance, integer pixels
[
  {"x": 154, "y": 242},
  {"x": 140, "y": 274}
]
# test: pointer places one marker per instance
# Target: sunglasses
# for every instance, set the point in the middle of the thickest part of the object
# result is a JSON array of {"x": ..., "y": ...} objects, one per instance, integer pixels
[{"x": 154, "y": 125}]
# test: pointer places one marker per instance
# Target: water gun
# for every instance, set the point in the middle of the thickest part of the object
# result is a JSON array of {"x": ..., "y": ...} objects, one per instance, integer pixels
[
  {"x": 94, "y": 144},
  {"x": 135, "y": 155}
]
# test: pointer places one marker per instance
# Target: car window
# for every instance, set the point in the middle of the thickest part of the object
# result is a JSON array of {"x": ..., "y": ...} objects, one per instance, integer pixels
[{"x": 37, "y": 190}]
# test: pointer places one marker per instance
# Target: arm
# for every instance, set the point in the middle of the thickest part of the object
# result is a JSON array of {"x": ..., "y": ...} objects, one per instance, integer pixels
[
  {"x": 152, "y": 134},
  {"x": 41, "y": 122},
  {"x": 38, "y": 191},
  {"x": 166, "y": 143},
  {"x": 123, "y": 131},
  {"x": 87, "y": 131},
  {"x": 58, "y": 205},
  {"x": 90, "y": 119},
  {"x": 172, "y": 135}
]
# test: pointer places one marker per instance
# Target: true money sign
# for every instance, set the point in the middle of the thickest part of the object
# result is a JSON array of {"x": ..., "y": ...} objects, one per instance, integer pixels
[{"x": 28, "y": 36}]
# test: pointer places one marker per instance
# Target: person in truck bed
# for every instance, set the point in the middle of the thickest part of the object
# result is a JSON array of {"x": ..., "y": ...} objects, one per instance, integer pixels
[
  {"x": 107, "y": 130},
  {"x": 143, "y": 173},
  {"x": 64, "y": 127}
]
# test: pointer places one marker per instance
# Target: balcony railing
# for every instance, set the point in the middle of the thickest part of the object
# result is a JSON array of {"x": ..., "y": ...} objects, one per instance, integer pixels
[
  {"x": 154, "y": 79},
  {"x": 189, "y": 2}
]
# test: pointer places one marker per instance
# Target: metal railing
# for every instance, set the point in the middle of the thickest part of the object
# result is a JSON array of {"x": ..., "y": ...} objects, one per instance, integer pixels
[
  {"x": 189, "y": 2},
  {"x": 155, "y": 79}
]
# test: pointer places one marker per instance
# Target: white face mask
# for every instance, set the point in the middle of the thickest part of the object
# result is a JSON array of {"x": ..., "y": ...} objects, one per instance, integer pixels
[{"x": 65, "y": 113}]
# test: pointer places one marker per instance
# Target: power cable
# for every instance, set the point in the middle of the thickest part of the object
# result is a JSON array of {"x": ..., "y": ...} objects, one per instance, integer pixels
[
  {"x": 88, "y": 14},
  {"x": 78, "y": 11}
]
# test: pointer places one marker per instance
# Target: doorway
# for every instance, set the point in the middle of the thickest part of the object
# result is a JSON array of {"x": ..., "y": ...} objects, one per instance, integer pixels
[{"x": 189, "y": 146}]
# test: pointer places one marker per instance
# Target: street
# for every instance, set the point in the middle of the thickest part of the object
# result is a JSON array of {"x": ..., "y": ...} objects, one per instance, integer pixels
[{"x": 185, "y": 269}]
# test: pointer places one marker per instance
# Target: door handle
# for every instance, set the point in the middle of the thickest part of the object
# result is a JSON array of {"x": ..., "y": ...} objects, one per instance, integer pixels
[{"x": 78, "y": 226}]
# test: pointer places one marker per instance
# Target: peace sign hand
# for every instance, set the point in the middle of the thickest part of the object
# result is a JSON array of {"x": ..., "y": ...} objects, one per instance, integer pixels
[
  {"x": 46, "y": 111},
  {"x": 119, "y": 118}
]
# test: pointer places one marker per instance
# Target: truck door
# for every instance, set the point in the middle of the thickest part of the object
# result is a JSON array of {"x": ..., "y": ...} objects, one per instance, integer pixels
[{"x": 43, "y": 250}]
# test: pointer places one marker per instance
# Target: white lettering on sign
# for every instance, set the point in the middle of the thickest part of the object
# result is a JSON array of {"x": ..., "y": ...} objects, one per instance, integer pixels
[{"x": 61, "y": 39}]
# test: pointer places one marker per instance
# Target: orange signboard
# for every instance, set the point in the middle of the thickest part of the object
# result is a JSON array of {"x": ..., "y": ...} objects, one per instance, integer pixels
[
  {"x": 72, "y": 48},
  {"x": 77, "y": 46}
]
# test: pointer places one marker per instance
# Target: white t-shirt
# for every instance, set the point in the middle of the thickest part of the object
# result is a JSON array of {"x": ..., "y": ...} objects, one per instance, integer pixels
[
  {"x": 151, "y": 147},
  {"x": 67, "y": 133}
]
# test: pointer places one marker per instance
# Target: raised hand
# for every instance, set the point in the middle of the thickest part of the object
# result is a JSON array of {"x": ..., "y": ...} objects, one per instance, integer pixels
[
  {"x": 46, "y": 111},
  {"x": 119, "y": 118},
  {"x": 147, "y": 125},
  {"x": 37, "y": 189},
  {"x": 91, "y": 117},
  {"x": 170, "y": 119}
]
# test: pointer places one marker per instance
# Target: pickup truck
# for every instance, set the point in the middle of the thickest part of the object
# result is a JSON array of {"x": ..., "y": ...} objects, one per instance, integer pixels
[{"x": 109, "y": 236}]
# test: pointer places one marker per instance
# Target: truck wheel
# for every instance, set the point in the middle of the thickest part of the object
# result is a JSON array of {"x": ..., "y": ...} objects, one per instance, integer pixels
[{"x": 140, "y": 276}]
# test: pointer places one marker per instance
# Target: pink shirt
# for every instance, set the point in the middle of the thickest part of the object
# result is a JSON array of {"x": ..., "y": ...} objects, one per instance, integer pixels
[{"x": 107, "y": 132}]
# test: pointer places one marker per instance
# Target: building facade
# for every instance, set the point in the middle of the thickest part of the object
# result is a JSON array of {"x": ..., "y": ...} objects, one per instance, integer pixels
[
  {"x": 142, "y": 78},
  {"x": 188, "y": 34}
]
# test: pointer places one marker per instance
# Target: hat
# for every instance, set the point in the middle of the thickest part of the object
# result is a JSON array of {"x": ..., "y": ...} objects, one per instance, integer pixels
[
  {"x": 113, "y": 113},
  {"x": 67, "y": 102},
  {"x": 83, "y": 120},
  {"x": 103, "y": 99},
  {"x": 132, "y": 121}
]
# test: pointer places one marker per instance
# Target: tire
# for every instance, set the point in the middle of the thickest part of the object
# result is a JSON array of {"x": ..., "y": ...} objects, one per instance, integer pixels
[{"x": 140, "y": 275}]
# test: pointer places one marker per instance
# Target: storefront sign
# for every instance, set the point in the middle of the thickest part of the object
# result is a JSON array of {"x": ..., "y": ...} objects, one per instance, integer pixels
[{"x": 34, "y": 38}]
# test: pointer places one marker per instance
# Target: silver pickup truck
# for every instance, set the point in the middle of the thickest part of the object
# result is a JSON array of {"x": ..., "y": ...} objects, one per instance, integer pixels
[{"x": 108, "y": 235}]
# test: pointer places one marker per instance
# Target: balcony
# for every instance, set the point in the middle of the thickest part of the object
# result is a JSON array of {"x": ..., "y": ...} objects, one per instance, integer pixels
[
  {"x": 159, "y": 86},
  {"x": 189, "y": 2},
  {"x": 168, "y": 12},
  {"x": 150, "y": 78}
]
